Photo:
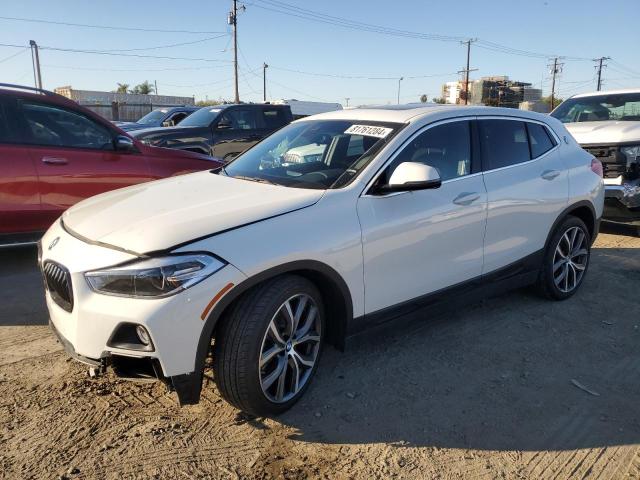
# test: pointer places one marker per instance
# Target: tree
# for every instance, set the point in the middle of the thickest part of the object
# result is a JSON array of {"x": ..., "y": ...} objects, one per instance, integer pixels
[
  {"x": 424, "y": 98},
  {"x": 144, "y": 88},
  {"x": 208, "y": 103},
  {"x": 122, "y": 88},
  {"x": 438, "y": 100},
  {"x": 547, "y": 100}
]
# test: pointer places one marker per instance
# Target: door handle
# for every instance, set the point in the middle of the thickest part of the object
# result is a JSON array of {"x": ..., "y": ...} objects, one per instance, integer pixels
[
  {"x": 466, "y": 198},
  {"x": 54, "y": 160},
  {"x": 550, "y": 174}
]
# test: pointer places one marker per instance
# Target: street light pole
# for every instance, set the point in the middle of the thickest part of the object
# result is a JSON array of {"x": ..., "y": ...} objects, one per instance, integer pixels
[
  {"x": 35, "y": 57},
  {"x": 399, "y": 80},
  {"x": 264, "y": 81}
]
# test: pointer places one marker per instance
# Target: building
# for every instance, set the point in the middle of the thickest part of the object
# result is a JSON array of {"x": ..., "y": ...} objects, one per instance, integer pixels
[
  {"x": 535, "y": 106},
  {"x": 451, "y": 92},
  {"x": 121, "y": 106},
  {"x": 499, "y": 91}
]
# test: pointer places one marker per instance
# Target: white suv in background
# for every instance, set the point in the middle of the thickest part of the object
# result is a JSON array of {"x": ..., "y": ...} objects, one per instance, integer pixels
[
  {"x": 607, "y": 125},
  {"x": 260, "y": 263}
]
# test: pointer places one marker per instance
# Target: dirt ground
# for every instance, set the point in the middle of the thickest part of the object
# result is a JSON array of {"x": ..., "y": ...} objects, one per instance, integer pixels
[{"x": 515, "y": 387}]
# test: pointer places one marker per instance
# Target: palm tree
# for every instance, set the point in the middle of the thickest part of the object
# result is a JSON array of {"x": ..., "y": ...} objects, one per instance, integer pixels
[
  {"x": 145, "y": 88},
  {"x": 122, "y": 88},
  {"x": 423, "y": 98}
]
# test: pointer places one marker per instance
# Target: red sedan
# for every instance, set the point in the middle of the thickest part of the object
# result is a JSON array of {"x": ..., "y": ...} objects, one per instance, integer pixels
[{"x": 54, "y": 153}]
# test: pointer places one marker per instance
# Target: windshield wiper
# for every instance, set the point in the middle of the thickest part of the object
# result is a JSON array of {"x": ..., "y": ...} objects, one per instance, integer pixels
[{"x": 254, "y": 179}]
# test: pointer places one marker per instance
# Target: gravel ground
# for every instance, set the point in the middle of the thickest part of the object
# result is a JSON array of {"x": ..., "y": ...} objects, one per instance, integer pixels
[{"x": 514, "y": 387}]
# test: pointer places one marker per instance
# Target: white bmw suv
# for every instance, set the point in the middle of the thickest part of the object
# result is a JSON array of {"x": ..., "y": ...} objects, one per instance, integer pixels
[{"x": 259, "y": 264}]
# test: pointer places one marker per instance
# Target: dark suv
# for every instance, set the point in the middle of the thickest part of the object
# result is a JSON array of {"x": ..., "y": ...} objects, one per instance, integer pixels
[
  {"x": 160, "y": 117},
  {"x": 223, "y": 131}
]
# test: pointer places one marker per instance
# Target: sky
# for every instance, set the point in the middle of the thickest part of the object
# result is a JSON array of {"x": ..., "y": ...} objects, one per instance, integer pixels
[{"x": 319, "y": 60}]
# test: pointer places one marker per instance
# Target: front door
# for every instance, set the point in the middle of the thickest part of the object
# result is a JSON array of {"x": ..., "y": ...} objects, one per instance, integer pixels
[
  {"x": 235, "y": 131},
  {"x": 416, "y": 243},
  {"x": 74, "y": 157}
]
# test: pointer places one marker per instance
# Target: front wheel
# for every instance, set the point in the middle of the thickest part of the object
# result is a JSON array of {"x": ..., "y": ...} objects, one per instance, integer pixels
[
  {"x": 267, "y": 348},
  {"x": 566, "y": 260}
]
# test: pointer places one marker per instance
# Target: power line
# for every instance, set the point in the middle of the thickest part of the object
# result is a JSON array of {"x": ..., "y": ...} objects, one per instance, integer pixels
[
  {"x": 358, "y": 76},
  {"x": 105, "y": 27},
  {"x": 96, "y": 52},
  {"x": 165, "y": 46},
  {"x": 14, "y": 55},
  {"x": 90, "y": 69}
]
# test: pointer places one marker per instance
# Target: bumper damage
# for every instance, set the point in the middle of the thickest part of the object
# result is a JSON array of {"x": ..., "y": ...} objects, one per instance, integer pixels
[{"x": 622, "y": 202}]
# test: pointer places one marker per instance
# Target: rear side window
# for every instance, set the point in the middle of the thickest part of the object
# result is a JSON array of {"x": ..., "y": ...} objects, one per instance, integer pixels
[
  {"x": 238, "y": 119},
  {"x": 55, "y": 126},
  {"x": 539, "y": 139},
  {"x": 273, "y": 118},
  {"x": 504, "y": 143}
]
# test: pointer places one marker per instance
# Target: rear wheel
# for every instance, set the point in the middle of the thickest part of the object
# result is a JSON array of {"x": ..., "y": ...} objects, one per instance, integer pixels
[
  {"x": 267, "y": 349},
  {"x": 566, "y": 260}
]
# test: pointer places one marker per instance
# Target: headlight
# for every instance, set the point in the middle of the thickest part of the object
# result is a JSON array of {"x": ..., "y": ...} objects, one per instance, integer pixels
[
  {"x": 632, "y": 153},
  {"x": 154, "y": 277}
]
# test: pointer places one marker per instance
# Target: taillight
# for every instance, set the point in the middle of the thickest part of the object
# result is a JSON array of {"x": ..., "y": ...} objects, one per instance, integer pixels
[{"x": 596, "y": 167}]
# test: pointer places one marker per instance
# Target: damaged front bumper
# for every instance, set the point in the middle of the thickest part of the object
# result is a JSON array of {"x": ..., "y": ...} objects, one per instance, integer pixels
[{"x": 622, "y": 202}]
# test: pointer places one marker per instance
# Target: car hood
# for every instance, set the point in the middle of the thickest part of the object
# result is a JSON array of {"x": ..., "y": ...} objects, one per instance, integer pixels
[
  {"x": 165, "y": 213},
  {"x": 610, "y": 131}
]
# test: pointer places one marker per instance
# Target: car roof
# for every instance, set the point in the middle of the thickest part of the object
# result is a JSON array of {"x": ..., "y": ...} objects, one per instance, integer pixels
[
  {"x": 607, "y": 92},
  {"x": 417, "y": 111}
]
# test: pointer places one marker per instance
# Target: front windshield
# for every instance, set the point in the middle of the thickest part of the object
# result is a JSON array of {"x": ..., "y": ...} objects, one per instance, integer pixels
[
  {"x": 316, "y": 154},
  {"x": 201, "y": 118},
  {"x": 598, "y": 108},
  {"x": 153, "y": 117}
]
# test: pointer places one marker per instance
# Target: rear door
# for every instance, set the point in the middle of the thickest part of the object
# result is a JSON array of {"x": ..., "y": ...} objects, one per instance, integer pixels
[
  {"x": 527, "y": 187},
  {"x": 235, "y": 131},
  {"x": 19, "y": 196},
  {"x": 74, "y": 156}
]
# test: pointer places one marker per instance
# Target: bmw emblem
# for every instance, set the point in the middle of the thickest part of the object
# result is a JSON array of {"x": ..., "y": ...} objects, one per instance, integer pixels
[{"x": 54, "y": 242}]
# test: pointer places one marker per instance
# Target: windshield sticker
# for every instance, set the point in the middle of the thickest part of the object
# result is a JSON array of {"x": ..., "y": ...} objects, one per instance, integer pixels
[{"x": 368, "y": 131}]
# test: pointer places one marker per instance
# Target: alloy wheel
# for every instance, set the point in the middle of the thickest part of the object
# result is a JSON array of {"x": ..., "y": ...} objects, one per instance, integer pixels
[
  {"x": 290, "y": 348},
  {"x": 570, "y": 259}
]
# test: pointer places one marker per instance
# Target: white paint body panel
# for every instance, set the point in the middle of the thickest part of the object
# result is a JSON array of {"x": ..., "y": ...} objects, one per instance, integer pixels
[{"x": 387, "y": 250}]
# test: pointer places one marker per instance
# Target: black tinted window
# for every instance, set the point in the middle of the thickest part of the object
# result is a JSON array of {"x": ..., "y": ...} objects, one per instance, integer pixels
[
  {"x": 238, "y": 119},
  {"x": 539, "y": 139},
  {"x": 51, "y": 125},
  {"x": 6, "y": 132},
  {"x": 504, "y": 143},
  {"x": 446, "y": 147},
  {"x": 273, "y": 118}
]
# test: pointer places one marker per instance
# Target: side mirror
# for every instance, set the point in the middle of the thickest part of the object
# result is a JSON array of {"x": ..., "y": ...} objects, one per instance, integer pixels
[
  {"x": 123, "y": 143},
  {"x": 410, "y": 176},
  {"x": 223, "y": 126}
]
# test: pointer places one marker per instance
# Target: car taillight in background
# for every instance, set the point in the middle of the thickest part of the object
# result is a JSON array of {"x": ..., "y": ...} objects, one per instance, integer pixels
[{"x": 596, "y": 167}]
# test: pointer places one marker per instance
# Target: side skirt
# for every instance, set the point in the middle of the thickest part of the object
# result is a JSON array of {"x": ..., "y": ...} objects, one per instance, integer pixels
[{"x": 516, "y": 275}]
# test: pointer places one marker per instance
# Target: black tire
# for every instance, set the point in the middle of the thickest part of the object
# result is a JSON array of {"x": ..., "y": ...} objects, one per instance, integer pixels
[
  {"x": 239, "y": 341},
  {"x": 546, "y": 285}
]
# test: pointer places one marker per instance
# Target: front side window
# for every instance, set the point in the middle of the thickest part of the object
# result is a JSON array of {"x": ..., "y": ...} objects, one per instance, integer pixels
[
  {"x": 55, "y": 126},
  {"x": 445, "y": 147},
  {"x": 598, "y": 108},
  {"x": 504, "y": 143},
  {"x": 315, "y": 154},
  {"x": 539, "y": 139},
  {"x": 154, "y": 117},
  {"x": 7, "y": 135},
  {"x": 238, "y": 120}
]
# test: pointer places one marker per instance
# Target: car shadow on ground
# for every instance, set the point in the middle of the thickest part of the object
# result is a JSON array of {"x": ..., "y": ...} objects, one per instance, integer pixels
[
  {"x": 514, "y": 372},
  {"x": 22, "y": 291}
]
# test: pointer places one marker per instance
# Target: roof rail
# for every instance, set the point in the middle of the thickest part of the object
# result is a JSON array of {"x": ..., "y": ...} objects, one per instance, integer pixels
[{"x": 30, "y": 89}]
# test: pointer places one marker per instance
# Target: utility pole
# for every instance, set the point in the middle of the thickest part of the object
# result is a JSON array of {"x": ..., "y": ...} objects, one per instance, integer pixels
[
  {"x": 399, "y": 80},
  {"x": 599, "y": 68},
  {"x": 467, "y": 70},
  {"x": 35, "y": 58},
  {"x": 264, "y": 81},
  {"x": 555, "y": 69},
  {"x": 155, "y": 82},
  {"x": 233, "y": 21},
  {"x": 347, "y": 100}
]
